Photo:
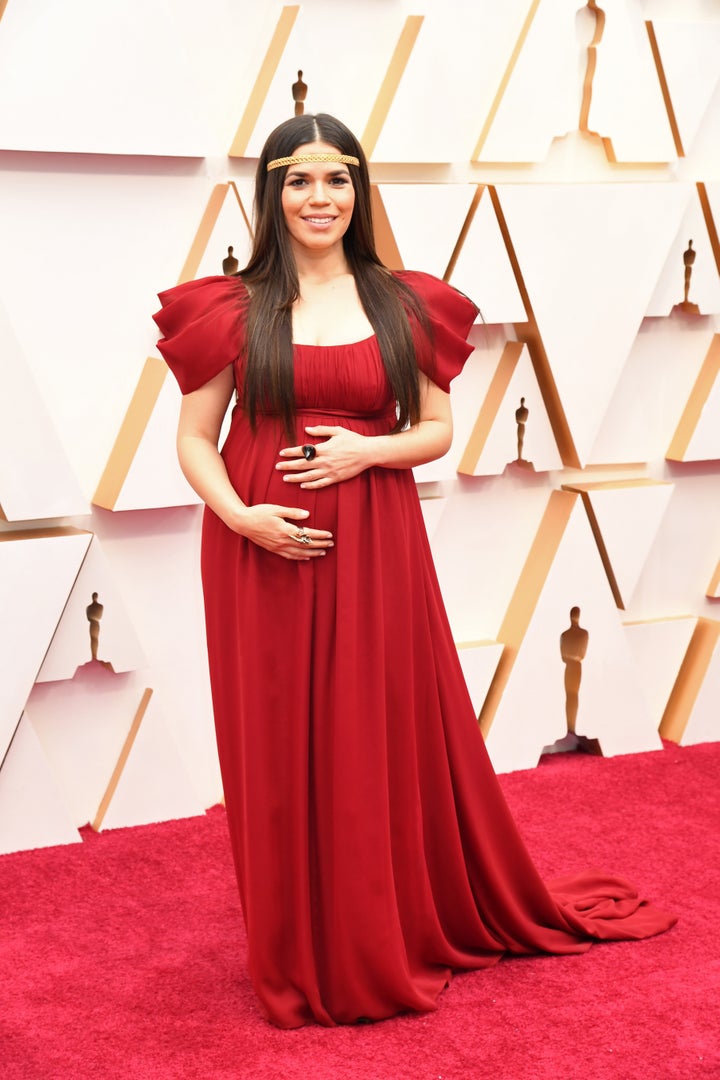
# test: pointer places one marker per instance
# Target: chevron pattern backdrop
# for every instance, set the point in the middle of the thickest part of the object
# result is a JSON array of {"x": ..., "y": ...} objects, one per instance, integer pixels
[{"x": 552, "y": 160}]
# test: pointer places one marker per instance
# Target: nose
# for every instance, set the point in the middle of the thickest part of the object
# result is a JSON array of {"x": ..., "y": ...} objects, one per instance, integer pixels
[{"x": 319, "y": 193}]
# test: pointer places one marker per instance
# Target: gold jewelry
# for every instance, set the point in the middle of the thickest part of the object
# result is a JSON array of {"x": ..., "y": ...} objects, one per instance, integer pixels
[
  {"x": 302, "y": 159},
  {"x": 302, "y": 537}
]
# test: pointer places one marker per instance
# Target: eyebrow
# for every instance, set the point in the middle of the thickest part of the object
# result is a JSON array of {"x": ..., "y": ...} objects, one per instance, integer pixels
[{"x": 295, "y": 171}]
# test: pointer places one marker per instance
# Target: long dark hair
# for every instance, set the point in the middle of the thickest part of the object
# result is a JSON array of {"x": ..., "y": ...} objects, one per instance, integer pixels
[{"x": 396, "y": 315}]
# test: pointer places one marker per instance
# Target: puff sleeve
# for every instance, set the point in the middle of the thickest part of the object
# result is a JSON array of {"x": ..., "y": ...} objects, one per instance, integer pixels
[
  {"x": 203, "y": 324},
  {"x": 451, "y": 315}
]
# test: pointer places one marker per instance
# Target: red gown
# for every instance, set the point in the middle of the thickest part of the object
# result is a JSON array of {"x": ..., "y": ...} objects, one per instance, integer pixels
[{"x": 374, "y": 849}]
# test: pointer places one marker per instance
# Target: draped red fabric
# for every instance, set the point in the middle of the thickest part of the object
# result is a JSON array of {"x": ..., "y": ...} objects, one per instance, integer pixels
[{"x": 375, "y": 853}]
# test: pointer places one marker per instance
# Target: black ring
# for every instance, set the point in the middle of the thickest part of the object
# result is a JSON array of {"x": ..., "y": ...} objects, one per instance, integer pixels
[{"x": 308, "y": 451}]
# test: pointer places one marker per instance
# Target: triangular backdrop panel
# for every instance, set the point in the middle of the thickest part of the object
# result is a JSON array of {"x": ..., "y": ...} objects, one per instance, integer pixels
[
  {"x": 501, "y": 439},
  {"x": 704, "y": 721},
  {"x": 543, "y": 93},
  {"x": 564, "y": 570},
  {"x": 33, "y": 811},
  {"x": 479, "y": 661},
  {"x": 697, "y": 437},
  {"x": 439, "y": 105},
  {"x": 151, "y": 783},
  {"x": 589, "y": 256},
  {"x": 659, "y": 647},
  {"x": 636, "y": 123},
  {"x": 82, "y": 725},
  {"x": 36, "y": 479},
  {"x": 625, "y": 516},
  {"x": 370, "y": 37},
  {"x": 118, "y": 644},
  {"x": 482, "y": 268},
  {"x": 480, "y": 546},
  {"x": 426, "y": 220},
  {"x": 689, "y": 53},
  {"x": 533, "y": 110},
  {"x": 231, "y": 228},
  {"x": 37, "y": 573},
  {"x": 664, "y": 363},
  {"x": 704, "y": 290}
]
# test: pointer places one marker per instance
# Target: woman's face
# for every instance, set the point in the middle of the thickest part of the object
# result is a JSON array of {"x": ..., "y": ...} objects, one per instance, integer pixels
[{"x": 317, "y": 201}]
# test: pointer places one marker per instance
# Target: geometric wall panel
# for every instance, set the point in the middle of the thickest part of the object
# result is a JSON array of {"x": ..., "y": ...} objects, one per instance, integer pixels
[
  {"x": 625, "y": 516},
  {"x": 703, "y": 722},
  {"x": 691, "y": 714},
  {"x": 689, "y": 53},
  {"x": 441, "y": 103},
  {"x": 527, "y": 707},
  {"x": 33, "y": 811},
  {"x": 150, "y": 782},
  {"x": 82, "y": 724},
  {"x": 467, "y": 393},
  {"x": 479, "y": 661},
  {"x": 37, "y": 572},
  {"x": 226, "y": 223},
  {"x": 432, "y": 506},
  {"x": 71, "y": 646},
  {"x": 347, "y": 91},
  {"x": 143, "y": 471},
  {"x": 697, "y": 437},
  {"x": 426, "y": 220},
  {"x": 482, "y": 268},
  {"x": 512, "y": 429},
  {"x": 36, "y": 480},
  {"x": 530, "y": 112},
  {"x": 544, "y": 89},
  {"x": 636, "y": 123},
  {"x": 480, "y": 545},
  {"x": 160, "y": 85},
  {"x": 588, "y": 255},
  {"x": 704, "y": 283},
  {"x": 713, "y": 589},
  {"x": 656, "y": 382},
  {"x": 659, "y": 647}
]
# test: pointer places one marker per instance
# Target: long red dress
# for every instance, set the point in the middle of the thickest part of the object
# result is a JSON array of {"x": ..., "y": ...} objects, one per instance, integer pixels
[{"x": 374, "y": 849}]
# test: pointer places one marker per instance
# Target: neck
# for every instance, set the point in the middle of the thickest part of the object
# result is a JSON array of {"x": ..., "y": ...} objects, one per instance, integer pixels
[{"x": 321, "y": 266}]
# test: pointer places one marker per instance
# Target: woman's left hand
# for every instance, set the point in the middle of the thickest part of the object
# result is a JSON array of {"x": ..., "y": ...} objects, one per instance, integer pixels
[{"x": 344, "y": 454}]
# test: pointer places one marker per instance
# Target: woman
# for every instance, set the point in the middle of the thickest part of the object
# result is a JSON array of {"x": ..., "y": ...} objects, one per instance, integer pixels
[{"x": 374, "y": 850}]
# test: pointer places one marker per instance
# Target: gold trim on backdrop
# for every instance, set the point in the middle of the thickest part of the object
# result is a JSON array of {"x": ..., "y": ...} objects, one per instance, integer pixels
[
  {"x": 709, "y": 222},
  {"x": 385, "y": 242},
  {"x": 122, "y": 760},
  {"x": 672, "y": 119},
  {"x": 590, "y": 68},
  {"x": 713, "y": 590},
  {"x": 3, "y": 5},
  {"x": 695, "y": 403},
  {"x": 490, "y": 407},
  {"x": 389, "y": 86},
  {"x": 500, "y": 93},
  {"x": 44, "y": 534},
  {"x": 529, "y": 333},
  {"x": 131, "y": 433},
  {"x": 690, "y": 679},
  {"x": 263, "y": 81},
  {"x": 469, "y": 218},
  {"x": 204, "y": 232},
  {"x": 525, "y": 598}
]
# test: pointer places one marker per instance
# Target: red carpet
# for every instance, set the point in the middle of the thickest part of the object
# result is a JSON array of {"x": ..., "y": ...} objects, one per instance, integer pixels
[{"x": 124, "y": 957}]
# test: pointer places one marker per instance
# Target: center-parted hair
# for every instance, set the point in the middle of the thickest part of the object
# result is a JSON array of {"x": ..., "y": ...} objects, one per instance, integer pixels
[{"x": 392, "y": 308}]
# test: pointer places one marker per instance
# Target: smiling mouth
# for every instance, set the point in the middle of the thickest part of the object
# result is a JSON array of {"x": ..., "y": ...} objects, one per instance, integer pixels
[{"x": 319, "y": 220}]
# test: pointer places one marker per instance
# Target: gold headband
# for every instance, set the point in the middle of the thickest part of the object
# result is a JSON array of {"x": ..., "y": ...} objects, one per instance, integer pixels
[{"x": 302, "y": 159}]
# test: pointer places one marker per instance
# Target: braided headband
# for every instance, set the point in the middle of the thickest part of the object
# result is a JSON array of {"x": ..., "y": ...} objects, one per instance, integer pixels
[{"x": 302, "y": 159}]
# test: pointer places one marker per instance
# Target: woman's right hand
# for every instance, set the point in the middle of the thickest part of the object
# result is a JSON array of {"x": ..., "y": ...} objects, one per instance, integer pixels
[{"x": 278, "y": 529}]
